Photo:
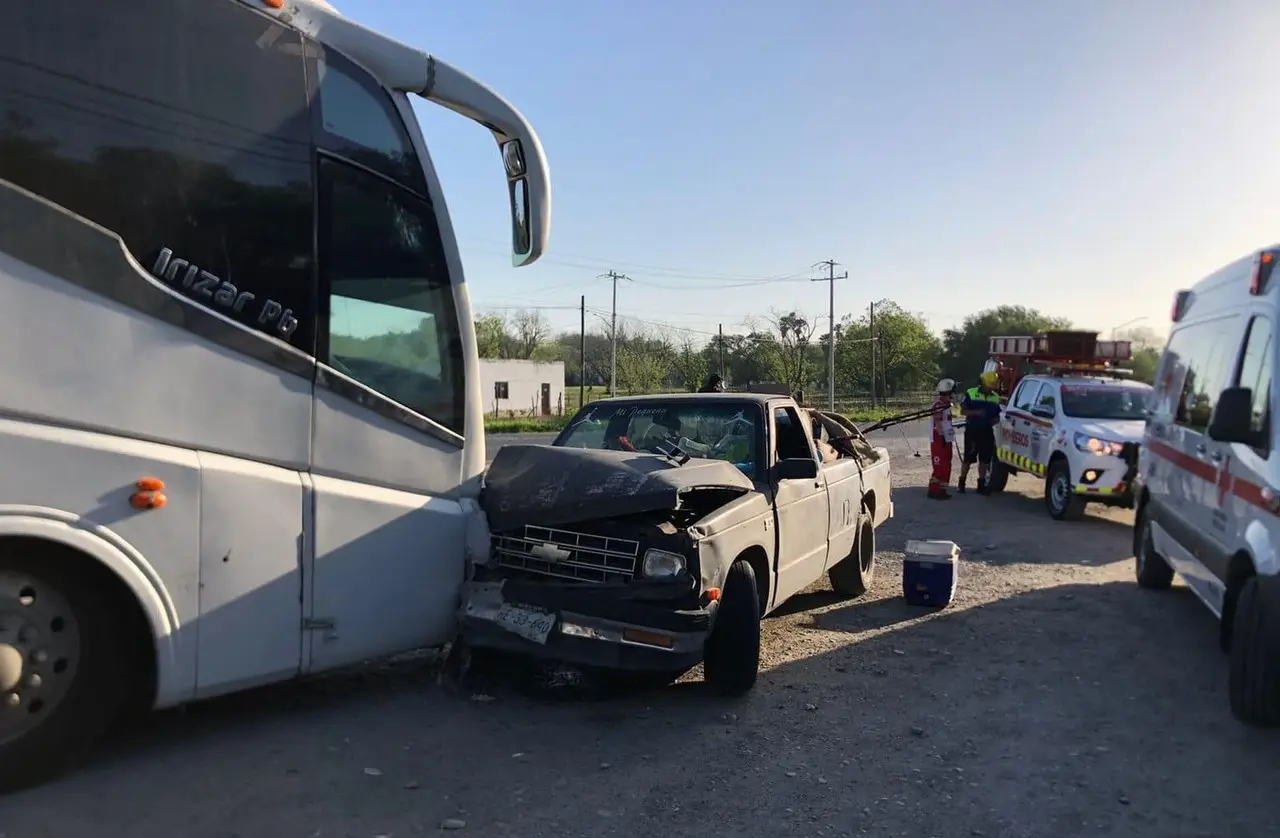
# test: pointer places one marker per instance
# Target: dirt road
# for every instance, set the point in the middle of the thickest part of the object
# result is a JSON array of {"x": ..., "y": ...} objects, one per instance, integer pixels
[{"x": 1054, "y": 699}]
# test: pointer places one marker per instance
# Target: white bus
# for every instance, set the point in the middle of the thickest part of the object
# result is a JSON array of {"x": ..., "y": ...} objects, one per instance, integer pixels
[{"x": 241, "y": 427}]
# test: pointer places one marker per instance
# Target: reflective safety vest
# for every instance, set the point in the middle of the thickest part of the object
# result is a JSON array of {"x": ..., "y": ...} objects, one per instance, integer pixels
[{"x": 975, "y": 394}]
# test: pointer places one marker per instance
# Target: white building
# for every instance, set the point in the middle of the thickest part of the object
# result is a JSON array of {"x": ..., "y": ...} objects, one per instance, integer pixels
[{"x": 522, "y": 388}]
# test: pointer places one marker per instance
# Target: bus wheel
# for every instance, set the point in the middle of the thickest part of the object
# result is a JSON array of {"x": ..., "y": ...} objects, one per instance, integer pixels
[{"x": 63, "y": 673}]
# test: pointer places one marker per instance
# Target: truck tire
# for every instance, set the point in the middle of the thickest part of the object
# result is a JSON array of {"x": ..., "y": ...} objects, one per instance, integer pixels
[
  {"x": 1151, "y": 569},
  {"x": 997, "y": 477},
  {"x": 1062, "y": 503},
  {"x": 732, "y": 658},
  {"x": 852, "y": 576},
  {"x": 1255, "y": 653},
  {"x": 65, "y": 667}
]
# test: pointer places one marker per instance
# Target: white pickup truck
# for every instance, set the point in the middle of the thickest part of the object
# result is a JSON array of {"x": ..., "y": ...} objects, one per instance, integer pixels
[{"x": 656, "y": 531}]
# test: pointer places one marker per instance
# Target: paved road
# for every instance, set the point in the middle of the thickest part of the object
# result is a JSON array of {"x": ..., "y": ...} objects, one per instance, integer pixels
[
  {"x": 1054, "y": 699},
  {"x": 492, "y": 442}
]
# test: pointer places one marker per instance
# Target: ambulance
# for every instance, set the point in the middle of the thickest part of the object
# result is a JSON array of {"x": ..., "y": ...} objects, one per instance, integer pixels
[{"x": 1209, "y": 503}]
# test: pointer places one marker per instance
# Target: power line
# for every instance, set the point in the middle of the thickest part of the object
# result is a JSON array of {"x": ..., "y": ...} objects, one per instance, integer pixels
[
  {"x": 614, "y": 276},
  {"x": 830, "y": 279}
]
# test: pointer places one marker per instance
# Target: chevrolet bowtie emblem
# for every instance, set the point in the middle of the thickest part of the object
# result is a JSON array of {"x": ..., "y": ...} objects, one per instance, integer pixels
[{"x": 550, "y": 553}]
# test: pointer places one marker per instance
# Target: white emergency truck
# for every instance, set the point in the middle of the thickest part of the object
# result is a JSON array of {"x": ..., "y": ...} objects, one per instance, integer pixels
[
  {"x": 1072, "y": 419},
  {"x": 1209, "y": 502},
  {"x": 241, "y": 426}
]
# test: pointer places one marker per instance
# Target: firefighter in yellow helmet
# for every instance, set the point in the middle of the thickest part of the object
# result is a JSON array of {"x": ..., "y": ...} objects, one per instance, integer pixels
[{"x": 981, "y": 408}]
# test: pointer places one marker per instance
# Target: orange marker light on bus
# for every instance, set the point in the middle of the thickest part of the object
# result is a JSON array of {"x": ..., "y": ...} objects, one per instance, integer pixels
[
  {"x": 273, "y": 4},
  {"x": 150, "y": 494}
]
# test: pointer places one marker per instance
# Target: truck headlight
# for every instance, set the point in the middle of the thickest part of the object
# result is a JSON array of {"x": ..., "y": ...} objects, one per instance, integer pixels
[
  {"x": 1093, "y": 445},
  {"x": 662, "y": 564}
]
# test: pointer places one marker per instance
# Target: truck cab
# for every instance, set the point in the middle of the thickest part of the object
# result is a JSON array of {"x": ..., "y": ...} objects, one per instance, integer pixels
[{"x": 656, "y": 531}]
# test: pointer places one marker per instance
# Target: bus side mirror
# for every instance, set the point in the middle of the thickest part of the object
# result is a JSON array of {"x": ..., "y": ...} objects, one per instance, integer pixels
[{"x": 518, "y": 189}]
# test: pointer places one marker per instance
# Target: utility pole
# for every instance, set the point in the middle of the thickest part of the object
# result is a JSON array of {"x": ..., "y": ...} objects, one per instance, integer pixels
[
  {"x": 831, "y": 335},
  {"x": 872, "y": 318},
  {"x": 614, "y": 276},
  {"x": 721, "y": 341},
  {"x": 582, "y": 352}
]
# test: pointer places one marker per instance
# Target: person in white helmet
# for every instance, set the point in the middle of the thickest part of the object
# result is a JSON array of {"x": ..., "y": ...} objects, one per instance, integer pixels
[{"x": 942, "y": 437}]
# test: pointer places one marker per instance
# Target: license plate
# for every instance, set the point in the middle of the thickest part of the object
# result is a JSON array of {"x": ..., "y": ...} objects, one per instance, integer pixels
[{"x": 529, "y": 623}]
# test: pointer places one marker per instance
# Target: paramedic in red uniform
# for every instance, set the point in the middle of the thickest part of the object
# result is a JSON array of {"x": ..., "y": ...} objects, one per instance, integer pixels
[
  {"x": 981, "y": 408},
  {"x": 942, "y": 438}
]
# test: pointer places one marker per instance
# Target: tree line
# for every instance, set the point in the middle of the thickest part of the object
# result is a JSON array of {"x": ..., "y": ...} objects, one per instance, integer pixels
[{"x": 895, "y": 354}]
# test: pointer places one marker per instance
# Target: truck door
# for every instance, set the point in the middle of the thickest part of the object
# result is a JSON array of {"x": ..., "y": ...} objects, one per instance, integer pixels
[
  {"x": 802, "y": 512},
  {"x": 1015, "y": 425},
  {"x": 1045, "y": 409},
  {"x": 389, "y": 534}
]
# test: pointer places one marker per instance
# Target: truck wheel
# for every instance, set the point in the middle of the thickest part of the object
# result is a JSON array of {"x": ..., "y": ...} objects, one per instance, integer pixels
[
  {"x": 732, "y": 657},
  {"x": 852, "y": 576},
  {"x": 1255, "y": 653},
  {"x": 1062, "y": 503},
  {"x": 1153, "y": 572},
  {"x": 997, "y": 477},
  {"x": 64, "y": 673}
]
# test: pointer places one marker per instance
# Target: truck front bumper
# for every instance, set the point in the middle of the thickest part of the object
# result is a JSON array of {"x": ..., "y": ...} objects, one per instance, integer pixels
[
  {"x": 609, "y": 627},
  {"x": 1107, "y": 479}
]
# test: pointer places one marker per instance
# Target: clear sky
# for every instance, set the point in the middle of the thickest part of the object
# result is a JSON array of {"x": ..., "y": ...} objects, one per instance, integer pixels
[{"x": 1086, "y": 158}]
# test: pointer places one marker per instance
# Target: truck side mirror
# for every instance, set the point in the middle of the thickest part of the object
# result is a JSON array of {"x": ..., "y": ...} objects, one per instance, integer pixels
[
  {"x": 1232, "y": 419},
  {"x": 798, "y": 468}
]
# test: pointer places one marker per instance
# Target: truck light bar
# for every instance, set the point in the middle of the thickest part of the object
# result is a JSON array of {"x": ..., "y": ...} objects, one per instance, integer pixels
[{"x": 1061, "y": 347}]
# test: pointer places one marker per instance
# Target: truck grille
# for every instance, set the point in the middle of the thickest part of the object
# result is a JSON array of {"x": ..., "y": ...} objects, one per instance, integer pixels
[{"x": 577, "y": 556}]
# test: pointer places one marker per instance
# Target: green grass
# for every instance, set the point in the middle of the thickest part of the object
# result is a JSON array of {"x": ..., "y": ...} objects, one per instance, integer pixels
[{"x": 524, "y": 424}]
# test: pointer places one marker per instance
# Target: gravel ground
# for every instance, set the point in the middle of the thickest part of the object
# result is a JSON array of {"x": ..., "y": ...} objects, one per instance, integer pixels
[{"x": 1053, "y": 699}]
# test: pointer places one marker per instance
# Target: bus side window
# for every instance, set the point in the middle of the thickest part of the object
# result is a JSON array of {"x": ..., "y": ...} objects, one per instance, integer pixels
[
  {"x": 391, "y": 321},
  {"x": 179, "y": 125},
  {"x": 355, "y": 118}
]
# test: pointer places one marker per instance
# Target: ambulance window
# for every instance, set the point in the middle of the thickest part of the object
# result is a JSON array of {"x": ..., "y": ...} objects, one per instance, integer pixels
[
  {"x": 1255, "y": 370},
  {"x": 1025, "y": 398},
  {"x": 1207, "y": 350}
]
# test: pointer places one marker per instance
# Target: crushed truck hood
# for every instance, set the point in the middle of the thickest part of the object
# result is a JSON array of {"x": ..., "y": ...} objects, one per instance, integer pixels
[{"x": 548, "y": 486}]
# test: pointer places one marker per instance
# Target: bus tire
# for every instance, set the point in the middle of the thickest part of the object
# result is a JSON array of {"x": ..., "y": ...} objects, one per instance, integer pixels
[
  {"x": 731, "y": 661},
  {"x": 65, "y": 664}
]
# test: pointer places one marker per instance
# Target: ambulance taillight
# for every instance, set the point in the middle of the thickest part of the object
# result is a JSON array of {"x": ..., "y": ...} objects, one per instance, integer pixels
[{"x": 1264, "y": 264}]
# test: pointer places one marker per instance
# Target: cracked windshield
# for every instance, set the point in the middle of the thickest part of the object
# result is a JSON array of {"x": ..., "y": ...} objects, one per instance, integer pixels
[{"x": 713, "y": 432}]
